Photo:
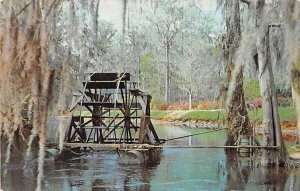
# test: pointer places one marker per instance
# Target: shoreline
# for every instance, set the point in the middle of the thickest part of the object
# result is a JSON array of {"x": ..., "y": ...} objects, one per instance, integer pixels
[{"x": 288, "y": 128}]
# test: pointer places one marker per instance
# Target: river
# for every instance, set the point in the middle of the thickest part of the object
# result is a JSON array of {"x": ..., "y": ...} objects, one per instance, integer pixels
[{"x": 178, "y": 169}]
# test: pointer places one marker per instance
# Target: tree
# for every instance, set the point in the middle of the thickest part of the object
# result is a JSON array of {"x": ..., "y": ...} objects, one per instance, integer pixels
[
  {"x": 196, "y": 58},
  {"x": 25, "y": 73},
  {"x": 259, "y": 33},
  {"x": 291, "y": 10},
  {"x": 271, "y": 121},
  {"x": 237, "y": 115},
  {"x": 168, "y": 26}
]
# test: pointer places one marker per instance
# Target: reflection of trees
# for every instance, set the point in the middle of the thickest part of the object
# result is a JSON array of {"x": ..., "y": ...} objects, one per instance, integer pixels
[
  {"x": 274, "y": 178},
  {"x": 13, "y": 171},
  {"x": 242, "y": 173},
  {"x": 104, "y": 173},
  {"x": 138, "y": 177},
  {"x": 236, "y": 175}
]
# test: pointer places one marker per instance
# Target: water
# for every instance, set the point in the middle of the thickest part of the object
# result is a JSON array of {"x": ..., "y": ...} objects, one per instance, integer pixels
[{"x": 178, "y": 169}]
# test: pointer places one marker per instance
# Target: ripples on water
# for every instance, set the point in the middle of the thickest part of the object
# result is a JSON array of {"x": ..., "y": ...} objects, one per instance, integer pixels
[{"x": 178, "y": 169}]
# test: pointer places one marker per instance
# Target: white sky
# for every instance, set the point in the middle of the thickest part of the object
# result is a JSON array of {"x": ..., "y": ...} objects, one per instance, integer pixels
[{"x": 112, "y": 10}]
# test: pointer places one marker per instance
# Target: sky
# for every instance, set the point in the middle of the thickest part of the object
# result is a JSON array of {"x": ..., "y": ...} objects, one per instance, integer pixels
[{"x": 112, "y": 10}]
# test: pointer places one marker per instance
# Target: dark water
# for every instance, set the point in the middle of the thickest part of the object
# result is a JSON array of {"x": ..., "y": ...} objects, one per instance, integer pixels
[{"x": 178, "y": 169}]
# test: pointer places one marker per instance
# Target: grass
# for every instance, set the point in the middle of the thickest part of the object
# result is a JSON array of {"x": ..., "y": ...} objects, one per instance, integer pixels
[
  {"x": 159, "y": 114},
  {"x": 288, "y": 113},
  {"x": 204, "y": 115},
  {"x": 187, "y": 115},
  {"x": 285, "y": 113}
]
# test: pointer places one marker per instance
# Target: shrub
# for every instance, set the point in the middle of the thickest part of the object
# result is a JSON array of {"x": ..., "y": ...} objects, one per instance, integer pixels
[
  {"x": 161, "y": 106},
  {"x": 251, "y": 89},
  {"x": 257, "y": 102},
  {"x": 173, "y": 106},
  {"x": 254, "y": 104},
  {"x": 209, "y": 104}
]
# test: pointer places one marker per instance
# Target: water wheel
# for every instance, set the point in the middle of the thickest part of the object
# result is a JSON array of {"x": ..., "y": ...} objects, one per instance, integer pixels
[{"x": 110, "y": 109}]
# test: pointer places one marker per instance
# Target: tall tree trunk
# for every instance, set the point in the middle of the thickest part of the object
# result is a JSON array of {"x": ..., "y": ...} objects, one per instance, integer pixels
[
  {"x": 296, "y": 82},
  {"x": 237, "y": 115},
  {"x": 296, "y": 87},
  {"x": 271, "y": 122},
  {"x": 125, "y": 67},
  {"x": 292, "y": 16},
  {"x": 96, "y": 21},
  {"x": 167, "y": 82},
  {"x": 190, "y": 99}
]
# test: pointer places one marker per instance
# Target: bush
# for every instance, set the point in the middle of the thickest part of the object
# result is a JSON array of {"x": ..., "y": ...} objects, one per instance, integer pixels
[
  {"x": 257, "y": 102},
  {"x": 208, "y": 104},
  {"x": 174, "y": 106},
  {"x": 254, "y": 104},
  {"x": 251, "y": 89},
  {"x": 161, "y": 106}
]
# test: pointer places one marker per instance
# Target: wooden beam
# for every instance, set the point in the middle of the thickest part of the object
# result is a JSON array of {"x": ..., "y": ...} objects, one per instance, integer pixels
[
  {"x": 102, "y": 104},
  {"x": 103, "y": 85},
  {"x": 110, "y": 76}
]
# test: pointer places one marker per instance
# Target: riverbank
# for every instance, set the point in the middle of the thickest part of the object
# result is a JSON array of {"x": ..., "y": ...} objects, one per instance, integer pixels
[{"x": 216, "y": 119}]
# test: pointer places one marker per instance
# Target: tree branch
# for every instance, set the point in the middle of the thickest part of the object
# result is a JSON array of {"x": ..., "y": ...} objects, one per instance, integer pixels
[{"x": 24, "y": 8}]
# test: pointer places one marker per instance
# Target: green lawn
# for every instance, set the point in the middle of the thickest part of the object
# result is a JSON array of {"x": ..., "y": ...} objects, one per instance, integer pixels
[
  {"x": 159, "y": 114},
  {"x": 285, "y": 113},
  {"x": 204, "y": 115}
]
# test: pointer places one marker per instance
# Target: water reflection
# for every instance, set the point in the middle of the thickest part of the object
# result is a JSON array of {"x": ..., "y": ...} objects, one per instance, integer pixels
[
  {"x": 245, "y": 173},
  {"x": 98, "y": 172},
  {"x": 178, "y": 169}
]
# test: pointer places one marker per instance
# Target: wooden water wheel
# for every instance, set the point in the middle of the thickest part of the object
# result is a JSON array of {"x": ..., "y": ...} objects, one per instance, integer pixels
[{"x": 110, "y": 109}]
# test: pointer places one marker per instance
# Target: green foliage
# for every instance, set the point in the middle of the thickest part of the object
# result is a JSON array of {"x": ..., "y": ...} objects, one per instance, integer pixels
[
  {"x": 149, "y": 77},
  {"x": 145, "y": 59},
  {"x": 251, "y": 89}
]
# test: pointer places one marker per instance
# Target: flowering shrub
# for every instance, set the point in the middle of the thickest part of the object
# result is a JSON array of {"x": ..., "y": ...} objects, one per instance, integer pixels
[
  {"x": 174, "y": 106},
  {"x": 161, "y": 106},
  {"x": 204, "y": 105},
  {"x": 257, "y": 102},
  {"x": 209, "y": 104},
  {"x": 254, "y": 104}
]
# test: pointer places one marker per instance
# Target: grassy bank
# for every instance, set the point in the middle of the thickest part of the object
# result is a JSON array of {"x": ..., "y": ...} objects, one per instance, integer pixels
[{"x": 285, "y": 113}]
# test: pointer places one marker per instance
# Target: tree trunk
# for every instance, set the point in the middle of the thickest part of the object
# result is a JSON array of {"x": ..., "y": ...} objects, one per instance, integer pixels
[
  {"x": 167, "y": 84},
  {"x": 268, "y": 93},
  {"x": 237, "y": 115},
  {"x": 190, "y": 99},
  {"x": 296, "y": 87},
  {"x": 271, "y": 122},
  {"x": 292, "y": 26},
  {"x": 124, "y": 63}
]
